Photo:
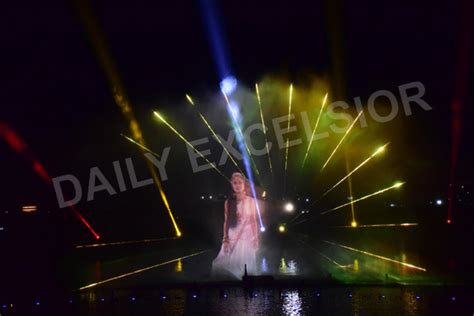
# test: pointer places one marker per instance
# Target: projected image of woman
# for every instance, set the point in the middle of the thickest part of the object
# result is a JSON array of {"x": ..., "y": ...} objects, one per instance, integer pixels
[{"x": 241, "y": 238}]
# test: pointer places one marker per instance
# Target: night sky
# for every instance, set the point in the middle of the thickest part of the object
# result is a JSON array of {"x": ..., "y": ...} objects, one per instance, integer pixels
[{"x": 56, "y": 97}]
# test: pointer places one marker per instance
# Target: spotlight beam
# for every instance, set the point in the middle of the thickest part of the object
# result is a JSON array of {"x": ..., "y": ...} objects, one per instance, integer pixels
[
  {"x": 396, "y": 185},
  {"x": 264, "y": 128},
  {"x": 378, "y": 151},
  {"x": 214, "y": 133},
  {"x": 104, "y": 57},
  {"x": 376, "y": 256},
  {"x": 342, "y": 139},
  {"x": 118, "y": 277},
  {"x": 246, "y": 158},
  {"x": 314, "y": 130},
  {"x": 189, "y": 144},
  {"x": 241, "y": 136}
]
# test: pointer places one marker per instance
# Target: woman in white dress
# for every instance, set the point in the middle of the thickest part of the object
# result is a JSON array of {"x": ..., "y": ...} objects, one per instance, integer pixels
[{"x": 241, "y": 239}]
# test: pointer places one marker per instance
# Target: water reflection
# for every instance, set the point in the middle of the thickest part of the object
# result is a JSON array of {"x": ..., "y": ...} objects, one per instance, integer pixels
[
  {"x": 290, "y": 268},
  {"x": 179, "y": 266},
  {"x": 292, "y": 303},
  {"x": 264, "y": 265}
]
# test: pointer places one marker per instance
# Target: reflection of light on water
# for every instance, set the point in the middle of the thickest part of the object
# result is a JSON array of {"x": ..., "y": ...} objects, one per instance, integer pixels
[
  {"x": 282, "y": 267},
  {"x": 356, "y": 265},
  {"x": 290, "y": 268},
  {"x": 179, "y": 266},
  {"x": 264, "y": 266},
  {"x": 292, "y": 303}
]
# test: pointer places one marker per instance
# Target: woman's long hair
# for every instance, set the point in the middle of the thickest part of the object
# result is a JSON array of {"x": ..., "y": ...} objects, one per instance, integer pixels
[{"x": 232, "y": 201}]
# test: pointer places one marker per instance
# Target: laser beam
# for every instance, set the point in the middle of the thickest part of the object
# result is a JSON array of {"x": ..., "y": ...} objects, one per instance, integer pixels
[
  {"x": 379, "y": 225},
  {"x": 342, "y": 139},
  {"x": 288, "y": 126},
  {"x": 118, "y": 277},
  {"x": 314, "y": 130},
  {"x": 139, "y": 145},
  {"x": 395, "y": 186},
  {"x": 104, "y": 57},
  {"x": 377, "y": 152},
  {"x": 189, "y": 144},
  {"x": 376, "y": 256},
  {"x": 264, "y": 128},
  {"x": 214, "y": 133}
]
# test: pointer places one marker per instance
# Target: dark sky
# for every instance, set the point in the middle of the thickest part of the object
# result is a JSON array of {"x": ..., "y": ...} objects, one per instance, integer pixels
[{"x": 56, "y": 96}]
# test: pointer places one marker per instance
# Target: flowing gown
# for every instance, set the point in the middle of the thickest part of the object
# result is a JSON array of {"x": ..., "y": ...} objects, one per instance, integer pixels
[{"x": 242, "y": 249}]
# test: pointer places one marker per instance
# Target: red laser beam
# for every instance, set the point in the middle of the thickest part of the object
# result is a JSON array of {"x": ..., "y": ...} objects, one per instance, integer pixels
[
  {"x": 460, "y": 90},
  {"x": 20, "y": 147}
]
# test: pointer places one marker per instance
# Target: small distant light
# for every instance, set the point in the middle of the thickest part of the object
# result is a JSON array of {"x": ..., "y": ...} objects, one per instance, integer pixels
[
  {"x": 350, "y": 295},
  {"x": 382, "y": 296},
  {"x": 210, "y": 197},
  {"x": 318, "y": 294},
  {"x": 70, "y": 301},
  {"x": 255, "y": 295},
  {"x": 202, "y": 197},
  {"x": 29, "y": 208},
  {"x": 453, "y": 298},
  {"x": 418, "y": 297},
  {"x": 307, "y": 200},
  {"x": 262, "y": 229},
  {"x": 448, "y": 221},
  {"x": 225, "y": 295},
  {"x": 163, "y": 297},
  {"x": 194, "y": 296},
  {"x": 392, "y": 204},
  {"x": 350, "y": 198},
  {"x": 38, "y": 303},
  {"x": 281, "y": 228},
  {"x": 439, "y": 202},
  {"x": 354, "y": 224},
  {"x": 289, "y": 207},
  {"x": 133, "y": 298},
  {"x": 4, "y": 306},
  {"x": 102, "y": 299},
  {"x": 264, "y": 194},
  {"x": 1, "y": 228}
]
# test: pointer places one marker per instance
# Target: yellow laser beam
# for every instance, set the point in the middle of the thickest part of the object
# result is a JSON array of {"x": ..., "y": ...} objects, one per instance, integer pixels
[
  {"x": 288, "y": 126},
  {"x": 379, "y": 225},
  {"x": 314, "y": 130},
  {"x": 264, "y": 128},
  {"x": 376, "y": 256},
  {"x": 342, "y": 139},
  {"x": 214, "y": 133},
  {"x": 189, "y": 144},
  {"x": 122, "y": 243},
  {"x": 104, "y": 57},
  {"x": 395, "y": 186},
  {"x": 377, "y": 152},
  {"x": 323, "y": 255},
  {"x": 140, "y": 145},
  {"x": 349, "y": 184},
  {"x": 140, "y": 270},
  {"x": 189, "y": 99}
]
